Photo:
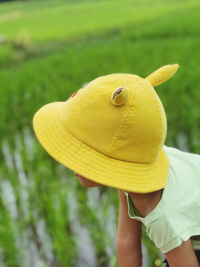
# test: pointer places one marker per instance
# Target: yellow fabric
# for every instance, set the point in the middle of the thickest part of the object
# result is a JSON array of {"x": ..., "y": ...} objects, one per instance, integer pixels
[
  {"x": 117, "y": 141},
  {"x": 120, "y": 96},
  {"x": 162, "y": 74}
]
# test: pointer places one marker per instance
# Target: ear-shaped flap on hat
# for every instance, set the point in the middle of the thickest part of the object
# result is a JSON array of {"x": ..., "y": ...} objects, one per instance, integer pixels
[
  {"x": 120, "y": 96},
  {"x": 162, "y": 74}
]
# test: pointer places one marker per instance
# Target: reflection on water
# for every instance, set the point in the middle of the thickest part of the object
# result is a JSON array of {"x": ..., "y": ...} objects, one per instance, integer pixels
[
  {"x": 9, "y": 199},
  {"x": 85, "y": 248},
  {"x": 28, "y": 238},
  {"x": 33, "y": 242},
  {"x": 105, "y": 214}
]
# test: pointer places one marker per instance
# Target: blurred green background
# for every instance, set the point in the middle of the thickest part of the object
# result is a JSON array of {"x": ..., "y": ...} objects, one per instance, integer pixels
[{"x": 48, "y": 50}]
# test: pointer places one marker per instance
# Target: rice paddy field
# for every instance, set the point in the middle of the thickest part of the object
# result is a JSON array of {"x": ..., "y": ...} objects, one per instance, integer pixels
[{"x": 49, "y": 49}]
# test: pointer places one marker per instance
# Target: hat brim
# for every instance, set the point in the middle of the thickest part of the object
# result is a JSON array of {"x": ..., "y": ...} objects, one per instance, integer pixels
[{"x": 91, "y": 164}]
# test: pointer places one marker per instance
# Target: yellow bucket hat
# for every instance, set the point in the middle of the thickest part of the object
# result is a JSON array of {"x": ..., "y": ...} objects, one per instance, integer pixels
[{"x": 112, "y": 131}]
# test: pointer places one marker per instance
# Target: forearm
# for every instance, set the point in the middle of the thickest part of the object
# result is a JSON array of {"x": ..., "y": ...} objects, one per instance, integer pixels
[
  {"x": 181, "y": 263},
  {"x": 182, "y": 256},
  {"x": 129, "y": 254}
]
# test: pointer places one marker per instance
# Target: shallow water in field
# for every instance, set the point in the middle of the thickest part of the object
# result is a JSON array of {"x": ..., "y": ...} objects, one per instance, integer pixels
[{"x": 32, "y": 232}]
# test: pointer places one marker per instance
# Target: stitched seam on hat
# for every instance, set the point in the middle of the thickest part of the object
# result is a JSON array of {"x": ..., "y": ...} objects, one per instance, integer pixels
[
  {"x": 117, "y": 134},
  {"x": 161, "y": 132},
  {"x": 157, "y": 108}
]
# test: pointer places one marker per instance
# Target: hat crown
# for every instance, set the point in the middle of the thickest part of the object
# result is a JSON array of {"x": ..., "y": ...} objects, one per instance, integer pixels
[{"x": 133, "y": 131}]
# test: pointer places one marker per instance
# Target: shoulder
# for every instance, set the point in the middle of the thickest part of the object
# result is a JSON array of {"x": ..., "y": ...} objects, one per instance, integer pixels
[{"x": 175, "y": 152}]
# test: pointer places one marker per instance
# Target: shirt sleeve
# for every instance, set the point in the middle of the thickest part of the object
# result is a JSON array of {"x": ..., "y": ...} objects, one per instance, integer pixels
[{"x": 162, "y": 233}]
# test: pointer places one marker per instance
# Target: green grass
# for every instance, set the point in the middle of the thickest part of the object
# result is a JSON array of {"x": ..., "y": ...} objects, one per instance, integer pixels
[
  {"x": 48, "y": 63},
  {"x": 40, "y": 22},
  {"x": 55, "y": 76},
  {"x": 37, "y": 31}
]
